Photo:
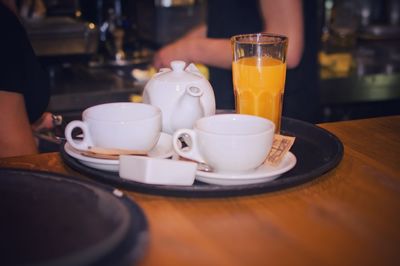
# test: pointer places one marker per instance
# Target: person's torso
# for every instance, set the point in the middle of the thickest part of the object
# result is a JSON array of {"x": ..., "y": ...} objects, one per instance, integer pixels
[
  {"x": 226, "y": 18},
  {"x": 231, "y": 17},
  {"x": 20, "y": 70}
]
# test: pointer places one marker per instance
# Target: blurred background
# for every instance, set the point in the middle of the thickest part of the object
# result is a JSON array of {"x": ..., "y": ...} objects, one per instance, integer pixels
[{"x": 93, "y": 48}]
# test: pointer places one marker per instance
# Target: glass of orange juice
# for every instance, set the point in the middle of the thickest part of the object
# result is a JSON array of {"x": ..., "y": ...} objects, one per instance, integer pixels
[{"x": 259, "y": 72}]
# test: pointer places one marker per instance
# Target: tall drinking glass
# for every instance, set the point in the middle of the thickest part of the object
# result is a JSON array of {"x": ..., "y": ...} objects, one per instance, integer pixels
[{"x": 259, "y": 72}]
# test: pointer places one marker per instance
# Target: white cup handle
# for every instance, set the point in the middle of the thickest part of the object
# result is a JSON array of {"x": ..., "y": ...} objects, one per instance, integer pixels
[
  {"x": 192, "y": 152},
  {"x": 78, "y": 144}
]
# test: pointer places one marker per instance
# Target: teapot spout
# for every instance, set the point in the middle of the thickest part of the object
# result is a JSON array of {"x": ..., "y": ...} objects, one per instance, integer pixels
[{"x": 188, "y": 110}]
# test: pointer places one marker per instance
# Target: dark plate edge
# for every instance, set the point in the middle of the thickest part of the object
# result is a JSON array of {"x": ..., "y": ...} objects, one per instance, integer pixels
[{"x": 131, "y": 248}]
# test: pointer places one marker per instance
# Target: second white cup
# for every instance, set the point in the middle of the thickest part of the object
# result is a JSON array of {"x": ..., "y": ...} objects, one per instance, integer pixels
[
  {"x": 124, "y": 125},
  {"x": 231, "y": 143}
]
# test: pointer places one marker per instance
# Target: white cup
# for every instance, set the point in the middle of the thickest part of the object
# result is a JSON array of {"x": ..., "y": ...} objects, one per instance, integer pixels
[
  {"x": 124, "y": 125},
  {"x": 233, "y": 143}
]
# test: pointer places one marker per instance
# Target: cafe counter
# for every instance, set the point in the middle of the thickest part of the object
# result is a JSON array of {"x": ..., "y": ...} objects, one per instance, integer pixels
[{"x": 348, "y": 216}]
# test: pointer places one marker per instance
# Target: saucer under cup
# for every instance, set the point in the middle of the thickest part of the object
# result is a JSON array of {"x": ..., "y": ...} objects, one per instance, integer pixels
[
  {"x": 262, "y": 174},
  {"x": 163, "y": 149}
]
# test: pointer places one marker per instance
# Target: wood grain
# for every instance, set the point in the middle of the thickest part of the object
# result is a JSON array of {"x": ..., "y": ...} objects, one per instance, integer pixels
[{"x": 349, "y": 216}]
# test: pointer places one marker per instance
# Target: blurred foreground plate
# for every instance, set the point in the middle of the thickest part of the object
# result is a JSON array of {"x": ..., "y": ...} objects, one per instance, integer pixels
[{"x": 51, "y": 219}]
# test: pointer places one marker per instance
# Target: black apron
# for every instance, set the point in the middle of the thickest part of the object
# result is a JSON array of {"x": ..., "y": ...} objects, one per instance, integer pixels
[{"x": 231, "y": 17}]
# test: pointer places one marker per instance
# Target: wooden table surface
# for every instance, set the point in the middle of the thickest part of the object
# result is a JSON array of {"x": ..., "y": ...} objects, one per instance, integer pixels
[{"x": 348, "y": 216}]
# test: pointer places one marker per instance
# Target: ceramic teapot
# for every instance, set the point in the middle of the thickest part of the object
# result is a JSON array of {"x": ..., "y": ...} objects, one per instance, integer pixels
[{"x": 183, "y": 94}]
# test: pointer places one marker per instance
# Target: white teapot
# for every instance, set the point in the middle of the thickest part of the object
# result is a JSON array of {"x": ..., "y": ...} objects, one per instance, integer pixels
[{"x": 183, "y": 95}]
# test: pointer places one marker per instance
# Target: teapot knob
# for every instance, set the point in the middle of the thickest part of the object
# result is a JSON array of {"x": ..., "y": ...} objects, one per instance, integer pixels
[{"x": 178, "y": 65}]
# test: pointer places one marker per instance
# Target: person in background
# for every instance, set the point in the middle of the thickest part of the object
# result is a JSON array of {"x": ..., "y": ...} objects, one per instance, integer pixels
[
  {"x": 24, "y": 87},
  {"x": 210, "y": 45}
]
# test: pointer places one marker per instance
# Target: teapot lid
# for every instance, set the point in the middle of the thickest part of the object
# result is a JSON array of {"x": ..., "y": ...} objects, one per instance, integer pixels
[{"x": 178, "y": 73}]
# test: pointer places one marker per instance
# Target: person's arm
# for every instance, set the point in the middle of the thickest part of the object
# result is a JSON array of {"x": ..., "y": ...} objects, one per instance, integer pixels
[
  {"x": 16, "y": 136},
  {"x": 199, "y": 31},
  {"x": 195, "y": 47},
  {"x": 11, "y": 5},
  {"x": 286, "y": 17},
  {"x": 281, "y": 17}
]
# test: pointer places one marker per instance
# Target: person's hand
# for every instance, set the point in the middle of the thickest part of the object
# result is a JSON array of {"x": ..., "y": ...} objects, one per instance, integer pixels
[
  {"x": 179, "y": 50},
  {"x": 187, "y": 48},
  {"x": 48, "y": 128},
  {"x": 45, "y": 122}
]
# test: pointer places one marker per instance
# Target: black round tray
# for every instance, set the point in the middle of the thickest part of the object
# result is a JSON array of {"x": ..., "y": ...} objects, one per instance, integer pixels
[
  {"x": 52, "y": 219},
  {"x": 316, "y": 149}
]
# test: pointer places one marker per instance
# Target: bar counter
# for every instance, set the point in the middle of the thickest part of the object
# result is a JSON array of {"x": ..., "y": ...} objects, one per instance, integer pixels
[{"x": 348, "y": 216}]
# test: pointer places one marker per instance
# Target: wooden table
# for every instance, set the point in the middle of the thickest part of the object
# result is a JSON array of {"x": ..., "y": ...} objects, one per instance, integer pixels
[{"x": 349, "y": 216}]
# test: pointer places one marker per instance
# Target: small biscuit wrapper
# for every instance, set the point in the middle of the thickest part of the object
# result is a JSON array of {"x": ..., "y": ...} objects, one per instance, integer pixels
[{"x": 280, "y": 146}]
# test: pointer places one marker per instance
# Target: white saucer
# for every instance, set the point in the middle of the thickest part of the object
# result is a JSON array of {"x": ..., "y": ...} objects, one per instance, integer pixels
[
  {"x": 163, "y": 149},
  {"x": 262, "y": 174}
]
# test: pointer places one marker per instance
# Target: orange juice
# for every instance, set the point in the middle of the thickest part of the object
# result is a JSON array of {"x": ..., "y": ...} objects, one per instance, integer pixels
[{"x": 259, "y": 85}]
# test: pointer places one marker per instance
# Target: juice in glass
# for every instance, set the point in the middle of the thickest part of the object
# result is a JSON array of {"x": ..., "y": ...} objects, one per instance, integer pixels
[{"x": 259, "y": 84}]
